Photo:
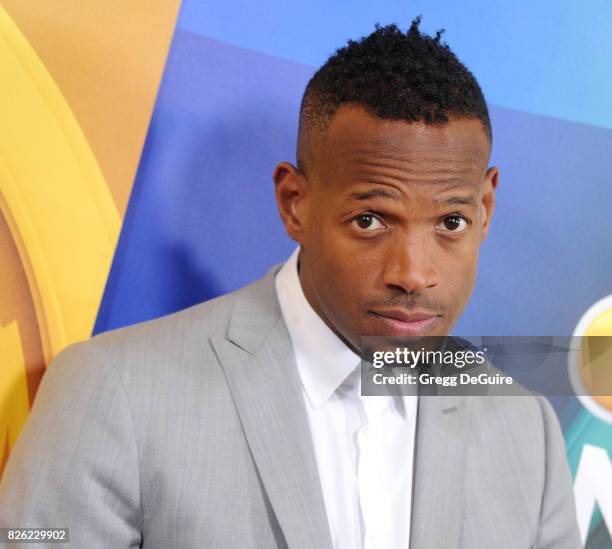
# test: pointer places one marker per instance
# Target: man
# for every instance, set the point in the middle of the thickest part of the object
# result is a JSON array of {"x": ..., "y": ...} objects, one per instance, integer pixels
[{"x": 239, "y": 423}]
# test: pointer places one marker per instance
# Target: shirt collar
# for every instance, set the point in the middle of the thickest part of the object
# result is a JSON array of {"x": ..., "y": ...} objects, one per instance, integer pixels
[{"x": 323, "y": 360}]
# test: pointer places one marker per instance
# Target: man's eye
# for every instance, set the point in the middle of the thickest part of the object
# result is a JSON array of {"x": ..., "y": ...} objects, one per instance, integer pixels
[
  {"x": 454, "y": 224},
  {"x": 368, "y": 222}
]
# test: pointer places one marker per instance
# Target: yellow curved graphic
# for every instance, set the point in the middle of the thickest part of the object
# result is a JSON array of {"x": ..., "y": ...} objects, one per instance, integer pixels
[
  {"x": 60, "y": 215},
  {"x": 601, "y": 325},
  {"x": 590, "y": 369},
  {"x": 53, "y": 196},
  {"x": 14, "y": 402}
]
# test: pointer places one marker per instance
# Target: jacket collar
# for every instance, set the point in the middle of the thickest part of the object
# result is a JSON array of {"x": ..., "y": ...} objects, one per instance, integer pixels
[
  {"x": 255, "y": 313},
  {"x": 258, "y": 360}
]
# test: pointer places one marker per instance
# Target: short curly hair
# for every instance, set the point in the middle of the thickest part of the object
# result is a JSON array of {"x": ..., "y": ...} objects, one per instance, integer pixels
[{"x": 393, "y": 75}]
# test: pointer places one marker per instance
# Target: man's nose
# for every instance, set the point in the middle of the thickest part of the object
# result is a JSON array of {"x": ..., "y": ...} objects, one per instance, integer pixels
[{"x": 409, "y": 264}]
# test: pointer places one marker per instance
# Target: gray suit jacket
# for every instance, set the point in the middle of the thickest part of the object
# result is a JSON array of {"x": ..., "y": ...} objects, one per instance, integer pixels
[{"x": 190, "y": 431}]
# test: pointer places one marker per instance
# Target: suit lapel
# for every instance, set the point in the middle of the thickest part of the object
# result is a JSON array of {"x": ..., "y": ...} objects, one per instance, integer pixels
[
  {"x": 437, "y": 506},
  {"x": 259, "y": 365}
]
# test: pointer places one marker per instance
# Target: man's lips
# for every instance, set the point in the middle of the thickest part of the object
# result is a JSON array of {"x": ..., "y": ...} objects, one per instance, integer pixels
[{"x": 399, "y": 322}]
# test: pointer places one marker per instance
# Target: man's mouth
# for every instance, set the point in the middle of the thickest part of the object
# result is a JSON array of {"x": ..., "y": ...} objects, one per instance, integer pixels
[{"x": 398, "y": 322}]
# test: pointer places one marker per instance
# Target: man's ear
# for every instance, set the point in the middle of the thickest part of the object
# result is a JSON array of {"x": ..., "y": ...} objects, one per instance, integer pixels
[
  {"x": 488, "y": 199},
  {"x": 291, "y": 189}
]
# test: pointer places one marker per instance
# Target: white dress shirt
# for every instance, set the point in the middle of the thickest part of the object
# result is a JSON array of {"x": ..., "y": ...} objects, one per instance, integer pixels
[{"x": 364, "y": 446}]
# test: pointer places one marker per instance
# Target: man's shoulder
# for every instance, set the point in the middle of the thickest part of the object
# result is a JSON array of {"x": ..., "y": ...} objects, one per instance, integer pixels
[
  {"x": 177, "y": 337},
  {"x": 522, "y": 416},
  {"x": 208, "y": 318},
  {"x": 165, "y": 333}
]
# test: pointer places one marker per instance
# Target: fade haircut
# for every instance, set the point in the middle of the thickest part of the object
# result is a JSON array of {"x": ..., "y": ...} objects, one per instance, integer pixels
[{"x": 394, "y": 76}]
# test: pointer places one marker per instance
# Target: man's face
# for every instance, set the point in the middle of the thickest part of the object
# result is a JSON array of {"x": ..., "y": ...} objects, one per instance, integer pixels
[{"x": 390, "y": 222}]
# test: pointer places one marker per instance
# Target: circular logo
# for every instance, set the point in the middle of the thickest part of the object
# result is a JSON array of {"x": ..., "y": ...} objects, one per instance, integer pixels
[{"x": 590, "y": 370}]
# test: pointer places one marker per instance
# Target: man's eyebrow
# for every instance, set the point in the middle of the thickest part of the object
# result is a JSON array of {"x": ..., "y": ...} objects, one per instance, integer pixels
[
  {"x": 468, "y": 200},
  {"x": 375, "y": 193},
  {"x": 460, "y": 200}
]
